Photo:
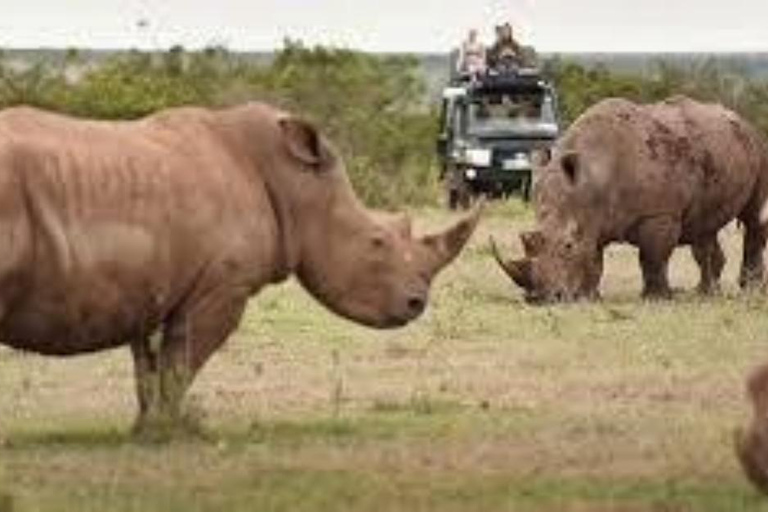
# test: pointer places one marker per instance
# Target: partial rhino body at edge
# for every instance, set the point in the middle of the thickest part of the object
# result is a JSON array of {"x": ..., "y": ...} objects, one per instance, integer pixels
[{"x": 655, "y": 176}]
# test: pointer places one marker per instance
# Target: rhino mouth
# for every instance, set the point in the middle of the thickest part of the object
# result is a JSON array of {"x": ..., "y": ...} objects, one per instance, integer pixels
[
  {"x": 541, "y": 298},
  {"x": 522, "y": 273},
  {"x": 394, "y": 322}
]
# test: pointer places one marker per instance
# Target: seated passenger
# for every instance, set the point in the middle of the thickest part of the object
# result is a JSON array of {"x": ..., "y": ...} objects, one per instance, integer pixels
[
  {"x": 471, "y": 56},
  {"x": 506, "y": 53}
]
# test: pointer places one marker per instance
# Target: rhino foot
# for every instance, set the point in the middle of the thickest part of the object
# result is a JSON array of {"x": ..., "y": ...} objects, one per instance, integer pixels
[
  {"x": 709, "y": 289},
  {"x": 164, "y": 427},
  {"x": 657, "y": 294}
]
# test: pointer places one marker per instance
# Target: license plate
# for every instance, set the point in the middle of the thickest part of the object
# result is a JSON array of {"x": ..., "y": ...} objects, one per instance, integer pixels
[{"x": 514, "y": 165}]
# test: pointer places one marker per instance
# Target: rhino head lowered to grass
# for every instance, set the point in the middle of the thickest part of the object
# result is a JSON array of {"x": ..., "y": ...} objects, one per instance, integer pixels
[{"x": 113, "y": 231}]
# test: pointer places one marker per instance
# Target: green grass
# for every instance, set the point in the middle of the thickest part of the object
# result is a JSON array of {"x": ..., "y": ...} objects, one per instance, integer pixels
[{"x": 485, "y": 404}]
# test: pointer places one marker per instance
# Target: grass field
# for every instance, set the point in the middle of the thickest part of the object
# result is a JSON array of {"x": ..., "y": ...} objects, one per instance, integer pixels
[{"x": 485, "y": 404}]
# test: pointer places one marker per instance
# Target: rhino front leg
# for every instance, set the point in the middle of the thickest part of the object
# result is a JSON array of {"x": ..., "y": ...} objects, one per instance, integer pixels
[
  {"x": 148, "y": 390},
  {"x": 710, "y": 258},
  {"x": 657, "y": 238},
  {"x": 189, "y": 339}
]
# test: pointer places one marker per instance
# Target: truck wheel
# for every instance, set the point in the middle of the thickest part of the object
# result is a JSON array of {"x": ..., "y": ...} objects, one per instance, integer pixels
[
  {"x": 458, "y": 190},
  {"x": 526, "y": 189},
  {"x": 459, "y": 197},
  {"x": 453, "y": 199},
  {"x": 465, "y": 197}
]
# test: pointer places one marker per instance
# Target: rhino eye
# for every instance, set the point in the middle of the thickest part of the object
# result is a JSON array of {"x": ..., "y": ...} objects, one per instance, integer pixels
[{"x": 378, "y": 242}]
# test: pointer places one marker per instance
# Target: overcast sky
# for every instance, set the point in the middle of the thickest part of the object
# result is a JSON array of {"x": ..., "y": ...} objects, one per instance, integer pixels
[{"x": 387, "y": 25}]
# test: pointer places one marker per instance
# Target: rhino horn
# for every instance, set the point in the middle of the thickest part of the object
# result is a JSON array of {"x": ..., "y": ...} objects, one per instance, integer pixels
[
  {"x": 443, "y": 247},
  {"x": 519, "y": 271}
]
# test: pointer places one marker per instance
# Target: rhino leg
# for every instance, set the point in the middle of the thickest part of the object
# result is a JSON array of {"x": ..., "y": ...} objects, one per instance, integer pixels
[
  {"x": 657, "y": 238},
  {"x": 165, "y": 373},
  {"x": 752, "y": 266},
  {"x": 710, "y": 258},
  {"x": 145, "y": 362}
]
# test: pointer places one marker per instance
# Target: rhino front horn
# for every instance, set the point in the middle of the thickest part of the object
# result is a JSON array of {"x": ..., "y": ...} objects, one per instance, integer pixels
[
  {"x": 519, "y": 271},
  {"x": 446, "y": 245}
]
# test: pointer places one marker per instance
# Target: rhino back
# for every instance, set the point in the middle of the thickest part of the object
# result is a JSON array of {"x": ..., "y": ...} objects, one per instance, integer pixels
[
  {"x": 693, "y": 161},
  {"x": 118, "y": 221}
]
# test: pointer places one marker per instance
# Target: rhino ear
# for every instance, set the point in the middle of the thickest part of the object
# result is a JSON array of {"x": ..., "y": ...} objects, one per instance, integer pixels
[
  {"x": 303, "y": 141},
  {"x": 571, "y": 165}
]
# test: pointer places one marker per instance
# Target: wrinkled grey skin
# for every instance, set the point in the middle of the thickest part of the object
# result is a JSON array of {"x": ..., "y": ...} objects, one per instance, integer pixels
[{"x": 655, "y": 176}]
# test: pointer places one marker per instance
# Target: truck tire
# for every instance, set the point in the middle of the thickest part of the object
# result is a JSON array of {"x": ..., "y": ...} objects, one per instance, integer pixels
[
  {"x": 459, "y": 198},
  {"x": 525, "y": 189}
]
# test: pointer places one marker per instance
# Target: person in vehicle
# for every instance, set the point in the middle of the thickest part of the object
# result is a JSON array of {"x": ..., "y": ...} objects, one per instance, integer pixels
[
  {"x": 472, "y": 55},
  {"x": 506, "y": 53}
]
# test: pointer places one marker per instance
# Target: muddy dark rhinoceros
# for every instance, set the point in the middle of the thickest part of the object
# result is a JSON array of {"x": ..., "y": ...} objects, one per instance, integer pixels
[
  {"x": 656, "y": 176},
  {"x": 113, "y": 231}
]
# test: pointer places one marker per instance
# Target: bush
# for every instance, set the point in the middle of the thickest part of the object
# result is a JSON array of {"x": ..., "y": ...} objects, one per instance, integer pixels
[
  {"x": 709, "y": 80},
  {"x": 373, "y": 107}
]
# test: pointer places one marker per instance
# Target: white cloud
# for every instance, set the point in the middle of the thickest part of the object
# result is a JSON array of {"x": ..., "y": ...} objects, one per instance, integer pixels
[{"x": 395, "y": 25}]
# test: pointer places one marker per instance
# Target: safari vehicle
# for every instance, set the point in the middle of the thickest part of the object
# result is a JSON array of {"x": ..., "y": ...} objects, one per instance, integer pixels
[{"x": 489, "y": 128}]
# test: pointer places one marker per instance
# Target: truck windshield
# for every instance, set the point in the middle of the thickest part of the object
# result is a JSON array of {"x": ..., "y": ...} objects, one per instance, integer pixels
[{"x": 503, "y": 116}]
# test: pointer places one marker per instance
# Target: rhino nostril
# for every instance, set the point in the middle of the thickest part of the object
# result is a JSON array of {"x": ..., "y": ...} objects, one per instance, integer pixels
[{"x": 416, "y": 304}]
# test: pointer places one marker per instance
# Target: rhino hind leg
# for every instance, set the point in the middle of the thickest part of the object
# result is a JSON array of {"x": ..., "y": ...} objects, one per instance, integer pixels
[
  {"x": 166, "y": 367},
  {"x": 657, "y": 239},
  {"x": 147, "y": 376},
  {"x": 710, "y": 258},
  {"x": 752, "y": 266}
]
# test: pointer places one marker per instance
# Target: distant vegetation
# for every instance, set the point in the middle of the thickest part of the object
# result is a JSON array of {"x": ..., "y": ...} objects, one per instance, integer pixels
[
  {"x": 372, "y": 107},
  {"x": 379, "y": 109},
  {"x": 707, "y": 80}
]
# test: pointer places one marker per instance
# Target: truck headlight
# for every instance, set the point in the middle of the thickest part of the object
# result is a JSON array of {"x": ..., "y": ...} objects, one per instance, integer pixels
[
  {"x": 471, "y": 174},
  {"x": 478, "y": 157}
]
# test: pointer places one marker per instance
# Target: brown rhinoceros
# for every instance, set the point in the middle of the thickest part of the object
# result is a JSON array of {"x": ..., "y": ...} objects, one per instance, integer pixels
[
  {"x": 113, "y": 231},
  {"x": 752, "y": 444},
  {"x": 656, "y": 176}
]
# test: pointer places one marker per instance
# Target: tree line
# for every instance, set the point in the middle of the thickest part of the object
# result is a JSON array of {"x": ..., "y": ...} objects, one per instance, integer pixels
[{"x": 372, "y": 106}]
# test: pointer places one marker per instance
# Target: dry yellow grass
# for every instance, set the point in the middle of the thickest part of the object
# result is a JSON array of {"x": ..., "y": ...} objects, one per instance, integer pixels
[{"x": 485, "y": 404}]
